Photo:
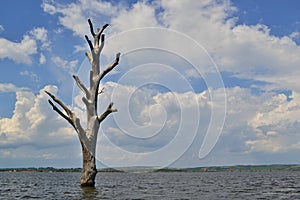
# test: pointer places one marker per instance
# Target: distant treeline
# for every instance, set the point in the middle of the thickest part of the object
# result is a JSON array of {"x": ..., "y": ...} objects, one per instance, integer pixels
[
  {"x": 41, "y": 169},
  {"x": 236, "y": 168},
  {"x": 52, "y": 169}
]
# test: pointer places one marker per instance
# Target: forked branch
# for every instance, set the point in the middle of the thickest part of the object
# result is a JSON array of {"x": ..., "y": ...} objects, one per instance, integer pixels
[
  {"x": 96, "y": 36},
  {"x": 68, "y": 111},
  {"x": 61, "y": 114},
  {"x": 100, "y": 31},
  {"x": 70, "y": 117}
]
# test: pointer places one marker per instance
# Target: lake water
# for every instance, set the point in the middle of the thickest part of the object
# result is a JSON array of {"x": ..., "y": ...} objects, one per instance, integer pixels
[{"x": 208, "y": 185}]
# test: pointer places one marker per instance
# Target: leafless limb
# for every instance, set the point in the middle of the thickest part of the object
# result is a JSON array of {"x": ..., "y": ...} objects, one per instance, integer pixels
[
  {"x": 110, "y": 67},
  {"x": 81, "y": 86},
  {"x": 108, "y": 110}
]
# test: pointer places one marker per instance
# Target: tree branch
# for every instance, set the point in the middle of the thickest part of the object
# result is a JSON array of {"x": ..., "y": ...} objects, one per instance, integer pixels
[
  {"x": 70, "y": 116},
  {"x": 88, "y": 55},
  {"x": 68, "y": 111},
  {"x": 62, "y": 114},
  {"x": 102, "y": 90},
  {"x": 100, "y": 31},
  {"x": 85, "y": 101},
  {"x": 91, "y": 27},
  {"x": 108, "y": 110},
  {"x": 89, "y": 42},
  {"x": 110, "y": 67},
  {"x": 106, "y": 71},
  {"x": 96, "y": 36},
  {"x": 81, "y": 86}
]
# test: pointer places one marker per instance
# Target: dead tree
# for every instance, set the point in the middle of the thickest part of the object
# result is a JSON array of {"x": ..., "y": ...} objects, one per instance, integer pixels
[{"x": 88, "y": 136}]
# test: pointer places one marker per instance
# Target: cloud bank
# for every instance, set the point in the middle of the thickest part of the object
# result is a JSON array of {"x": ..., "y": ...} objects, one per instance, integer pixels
[
  {"x": 261, "y": 122},
  {"x": 23, "y": 51}
]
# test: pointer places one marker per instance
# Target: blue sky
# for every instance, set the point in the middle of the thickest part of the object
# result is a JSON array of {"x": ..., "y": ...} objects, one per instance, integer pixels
[{"x": 223, "y": 74}]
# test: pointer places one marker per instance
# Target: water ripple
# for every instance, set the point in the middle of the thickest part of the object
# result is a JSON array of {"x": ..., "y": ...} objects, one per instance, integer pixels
[{"x": 208, "y": 185}]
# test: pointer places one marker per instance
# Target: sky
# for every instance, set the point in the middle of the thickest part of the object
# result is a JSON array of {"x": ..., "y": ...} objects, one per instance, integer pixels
[{"x": 200, "y": 83}]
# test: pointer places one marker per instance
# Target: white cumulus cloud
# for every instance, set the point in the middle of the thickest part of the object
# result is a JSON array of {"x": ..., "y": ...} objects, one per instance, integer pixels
[
  {"x": 266, "y": 122},
  {"x": 23, "y": 51},
  {"x": 32, "y": 122},
  {"x": 41, "y": 34},
  {"x": 250, "y": 52},
  {"x": 19, "y": 52},
  {"x": 75, "y": 15},
  {"x": 68, "y": 66}
]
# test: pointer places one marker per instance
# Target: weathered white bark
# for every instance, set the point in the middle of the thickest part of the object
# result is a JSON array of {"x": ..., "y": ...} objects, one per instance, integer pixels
[{"x": 88, "y": 136}]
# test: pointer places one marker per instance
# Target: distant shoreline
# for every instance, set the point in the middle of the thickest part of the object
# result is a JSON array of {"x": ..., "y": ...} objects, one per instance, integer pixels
[{"x": 235, "y": 168}]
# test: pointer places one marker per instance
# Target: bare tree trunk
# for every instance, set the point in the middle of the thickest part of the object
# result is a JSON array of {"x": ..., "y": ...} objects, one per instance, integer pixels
[
  {"x": 89, "y": 169},
  {"x": 88, "y": 136}
]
